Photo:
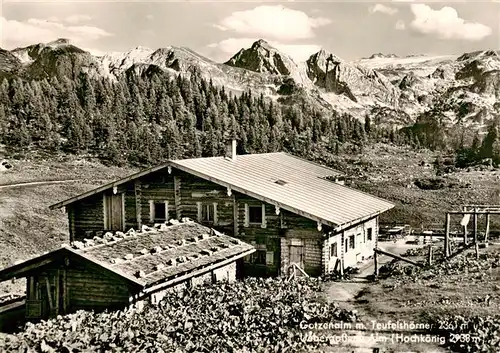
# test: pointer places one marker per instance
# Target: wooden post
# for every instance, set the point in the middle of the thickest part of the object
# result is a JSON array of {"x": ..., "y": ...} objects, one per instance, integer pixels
[
  {"x": 71, "y": 222},
  {"x": 235, "y": 216},
  {"x": 49, "y": 295},
  {"x": 65, "y": 293},
  {"x": 465, "y": 230},
  {"x": 56, "y": 292},
  {"x": 138, "y": 203},
  {"x": 429, "y": 257},
  {"x": 487, "y": 231},
  {"x": 375, "y": 263},
  {"x": 177, "y": 196},
  {"x": 476, "y": 246},
  {"x": 475, "y": 224},
  {"x": 31, "y": 288},
  {"x": 37, "y": 294},
  {"x": 447, "y": 236}
]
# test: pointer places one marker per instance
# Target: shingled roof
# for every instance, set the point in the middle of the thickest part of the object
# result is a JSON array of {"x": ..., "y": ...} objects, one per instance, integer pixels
[{"x": 153, "y": 255}]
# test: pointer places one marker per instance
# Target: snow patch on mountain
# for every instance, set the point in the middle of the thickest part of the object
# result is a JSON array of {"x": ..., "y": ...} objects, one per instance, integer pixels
[
  {"x": 381, "y": 55},
  {"x": 396, "y": 68},
  {"x": 23, "y": 56},
  {"x": 115, "y": 63}
]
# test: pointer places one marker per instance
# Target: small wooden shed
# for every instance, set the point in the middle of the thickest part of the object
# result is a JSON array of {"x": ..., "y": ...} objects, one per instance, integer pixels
[{"x": 120, "y": 269}]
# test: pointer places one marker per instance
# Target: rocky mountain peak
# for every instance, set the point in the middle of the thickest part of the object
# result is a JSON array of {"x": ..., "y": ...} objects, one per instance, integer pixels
[
  {"x": 263, "y": 58},
  {"x": 322, "y": 57},
  {"x": 261, "y": 43},
  {"x": 405, "y": 86},
  {"x": 59, "y": 41},
  {"x": 382, "y": 56},
  {"x": 335, "y": 75},
  {"x": 491, "y": 54}
]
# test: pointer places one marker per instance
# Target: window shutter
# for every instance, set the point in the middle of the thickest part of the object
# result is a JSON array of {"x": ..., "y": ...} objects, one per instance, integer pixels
[
  {"x": 247, "y": 215},
  {"x": 264, "y": 222},
  {"x": 166, "y": 211},
  {"x": 151, "y": 211},
  {"x": 198, "y": 205},
  {"x": 215, "y": 213}
]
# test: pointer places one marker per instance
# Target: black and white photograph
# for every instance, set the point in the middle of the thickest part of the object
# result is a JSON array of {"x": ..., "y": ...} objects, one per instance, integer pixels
[{"x": 214, "y": 176}]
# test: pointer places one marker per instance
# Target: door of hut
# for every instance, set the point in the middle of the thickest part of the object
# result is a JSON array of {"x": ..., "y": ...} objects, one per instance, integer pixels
[
  {"x": 114, "y": 207},
  {"x": 297, "y": 252}
]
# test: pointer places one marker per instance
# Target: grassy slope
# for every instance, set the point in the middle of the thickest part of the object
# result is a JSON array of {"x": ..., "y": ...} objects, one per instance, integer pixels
[
  {"x": 27, "y": 226},
  {"x": 390, "y": 172},
  {"x": 432, "y": 293}
]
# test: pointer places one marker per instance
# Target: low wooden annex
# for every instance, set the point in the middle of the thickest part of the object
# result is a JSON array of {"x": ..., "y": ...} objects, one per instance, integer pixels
[
  {"x": 292, "y": 210},
  {"x": 120, "y": 269}
]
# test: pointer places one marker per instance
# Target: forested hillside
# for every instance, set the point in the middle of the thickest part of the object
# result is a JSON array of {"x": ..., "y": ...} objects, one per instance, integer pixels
[{"x": 144, "y": 120}]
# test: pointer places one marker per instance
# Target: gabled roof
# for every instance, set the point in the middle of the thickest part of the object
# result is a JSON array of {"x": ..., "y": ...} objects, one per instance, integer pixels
[
  {"x": 290, "y": 183},
  {"x": 149, "y": 257},
  {"x": 283, "y": 180}
]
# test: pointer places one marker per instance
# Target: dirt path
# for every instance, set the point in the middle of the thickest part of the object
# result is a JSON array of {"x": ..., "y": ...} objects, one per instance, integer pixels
[
  {"x": 35, "y": 183},
  {"x": 345, "y": 293}
]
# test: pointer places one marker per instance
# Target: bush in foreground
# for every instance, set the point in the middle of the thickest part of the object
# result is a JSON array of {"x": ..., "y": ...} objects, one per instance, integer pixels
[
  {"x": 470, "y": 334},
  {"x": 254, "y": 315}
]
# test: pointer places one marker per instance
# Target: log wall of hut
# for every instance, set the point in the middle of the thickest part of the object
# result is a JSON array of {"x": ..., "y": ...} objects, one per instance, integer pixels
[
  {"x": 281, "y": 237},
  {"x": 205, "y": 202},
  {"x": 301, "y": 239},
  {"x": 86, "y": 217},
  {"x": 58, "y": 288},
  {"x": 273, "y": 237},
  {"x": 156, "y": 188}
]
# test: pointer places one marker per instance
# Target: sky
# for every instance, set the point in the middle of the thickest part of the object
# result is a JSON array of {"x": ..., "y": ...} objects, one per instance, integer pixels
[{"x": 218, "y": 29}]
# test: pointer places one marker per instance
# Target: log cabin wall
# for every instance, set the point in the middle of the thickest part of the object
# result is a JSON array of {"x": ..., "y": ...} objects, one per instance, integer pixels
[
  {"x": 89, "y": 287},
  {"x": 205, "y": 202},
  {"x": 193, "y": 193},
  {"x": 184, "y": 195},
  {"x": 86, "y": 217},
  {"x": 57, "y": 289},
  {"x": 156, "y": 188},
  {"x": 273, "y": 238},
  {"x": 302, "y": 232},
  {"x": 263, "y": 235}
]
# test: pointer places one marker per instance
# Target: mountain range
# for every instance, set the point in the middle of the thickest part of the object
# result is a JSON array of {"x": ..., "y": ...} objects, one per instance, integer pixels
[{"x": 392, "y": 90}]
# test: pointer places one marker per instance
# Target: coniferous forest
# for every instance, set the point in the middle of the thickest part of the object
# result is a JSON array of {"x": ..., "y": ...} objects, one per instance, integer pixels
[{"x": 144, "y": 120}]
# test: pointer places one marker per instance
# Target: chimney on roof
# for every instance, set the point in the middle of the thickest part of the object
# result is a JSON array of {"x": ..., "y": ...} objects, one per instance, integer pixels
[{"x": 231, "y": 149}]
